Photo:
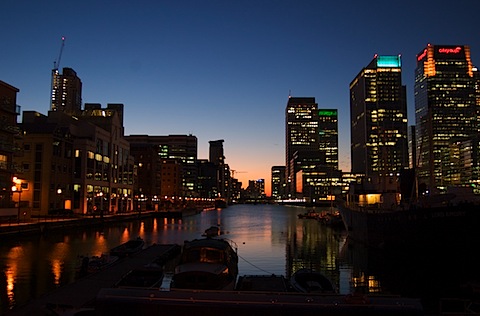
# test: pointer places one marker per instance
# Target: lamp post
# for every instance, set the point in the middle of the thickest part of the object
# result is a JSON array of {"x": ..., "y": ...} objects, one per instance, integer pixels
[
  {"x": 17, "y": 187},
  {"x": 19, "y": 191}
]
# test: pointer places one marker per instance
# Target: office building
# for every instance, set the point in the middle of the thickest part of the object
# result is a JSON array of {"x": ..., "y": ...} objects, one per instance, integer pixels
[
  {"x": 302, "y": 147},
  {"x": 378, "y": 115},
  {"x": 445, "y": 107},
  {"x": 81, "y": 165},
  {"x": 154, "y": 156},
  {"x": 217, "y": 157},
  {"x": 66, "y": 94},
  {"x": 328, "y": 137},
  {"x": 278, "y": 182}
]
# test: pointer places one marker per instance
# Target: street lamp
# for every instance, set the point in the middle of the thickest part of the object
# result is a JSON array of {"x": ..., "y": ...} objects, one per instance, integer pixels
[{"x": 18, "y": 190}]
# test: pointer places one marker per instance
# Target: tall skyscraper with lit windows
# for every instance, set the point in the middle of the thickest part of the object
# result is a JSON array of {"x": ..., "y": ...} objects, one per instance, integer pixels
[
  {"x": 328, "y": 136},
  {"x": 302, "y": 140},
  {"x": 66, "y": 91},
  {"x": 445, "y": 107},
  {"x": 378, "y": 115}
]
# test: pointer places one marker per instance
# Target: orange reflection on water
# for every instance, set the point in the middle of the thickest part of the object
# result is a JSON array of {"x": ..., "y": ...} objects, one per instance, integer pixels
[
  {"x": 57, "y": 259},
  {"x": 100, "y": 246},
  {"x": 125, "y": 235},
  {"x": 14, "y": 257}
]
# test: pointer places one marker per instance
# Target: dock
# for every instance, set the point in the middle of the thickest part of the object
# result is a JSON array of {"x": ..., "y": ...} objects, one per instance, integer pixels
[{"x": 263, "y": 295}]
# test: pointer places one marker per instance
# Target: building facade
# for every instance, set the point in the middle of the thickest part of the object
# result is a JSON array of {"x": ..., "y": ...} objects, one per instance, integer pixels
[
  {"x": 9, "y": 134},
  {"x": 378, "y": 115},
  {"x": 165, "y": 160},
  {"x": 80, "y": 165},
  {"x": 278, "y": 183},
  {"x": 445, "y": 107},
  {"x": 328, "y": 137},
  {"x": 302, "y": 148}
]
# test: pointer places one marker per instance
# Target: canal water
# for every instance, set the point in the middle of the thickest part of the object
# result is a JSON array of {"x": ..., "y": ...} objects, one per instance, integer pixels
[{"x": 271, "y": 239}]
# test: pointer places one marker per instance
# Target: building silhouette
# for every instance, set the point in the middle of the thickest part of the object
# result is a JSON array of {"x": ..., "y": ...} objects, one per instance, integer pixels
[
  {"x": 223, "y": 178},
  {"x": 378, "y": 115},
  {"x": 446, "y": 106}
]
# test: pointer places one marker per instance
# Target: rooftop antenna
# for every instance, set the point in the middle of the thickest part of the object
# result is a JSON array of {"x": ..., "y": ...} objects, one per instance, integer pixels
[{"x": 56, "y": 63}]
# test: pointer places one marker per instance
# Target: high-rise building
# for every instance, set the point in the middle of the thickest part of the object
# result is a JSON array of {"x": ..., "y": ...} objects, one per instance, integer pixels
[
  {"x": 278, "y": 182},
  {"x": 302, "y": 147},
  {"x": 445, "y": 106},
  {"x": 66, "y": 92},
  {"x": 328, "y": 136},
  {"x": 378, "y": 115},
  {"x": 216, "y": 156}
]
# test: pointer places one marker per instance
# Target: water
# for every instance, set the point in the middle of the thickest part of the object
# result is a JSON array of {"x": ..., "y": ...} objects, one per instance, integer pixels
[{"x": 270, "y": 239}]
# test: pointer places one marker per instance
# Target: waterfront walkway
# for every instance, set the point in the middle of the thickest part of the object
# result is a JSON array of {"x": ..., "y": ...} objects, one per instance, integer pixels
[{"x": 51, "y": 223}]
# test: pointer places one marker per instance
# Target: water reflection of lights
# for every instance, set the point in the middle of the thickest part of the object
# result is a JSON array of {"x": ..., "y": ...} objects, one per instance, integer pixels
[
  {"x": 11, "y": 272},
  {"x": 56, "y": 270},
  {"x": 57, "y": 259},
  {"x": 125, "y": 235},
  {"x": 100, "y": 245}
]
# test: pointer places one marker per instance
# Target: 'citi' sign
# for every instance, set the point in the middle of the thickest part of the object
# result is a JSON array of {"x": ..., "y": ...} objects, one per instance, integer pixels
[{"x": 455, "y": 50}]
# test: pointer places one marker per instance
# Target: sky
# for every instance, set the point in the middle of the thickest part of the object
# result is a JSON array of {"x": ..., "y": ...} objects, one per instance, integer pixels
[{"x": 221, "y": 69}]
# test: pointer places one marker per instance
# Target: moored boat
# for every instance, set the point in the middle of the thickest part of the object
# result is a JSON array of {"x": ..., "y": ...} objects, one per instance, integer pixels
[
  {"x": 128, "y": 248},
  {"x": 91, "y": 264},
  {"x": 311, "y": 214},
  {"x": 309, "y": 281},
  {"x": 207, "y": 264},
  {"x": 333, "y": 219}
]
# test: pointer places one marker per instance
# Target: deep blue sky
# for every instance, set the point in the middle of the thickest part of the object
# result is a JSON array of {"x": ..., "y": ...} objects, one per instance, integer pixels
[{"x": 222, "y": 69}]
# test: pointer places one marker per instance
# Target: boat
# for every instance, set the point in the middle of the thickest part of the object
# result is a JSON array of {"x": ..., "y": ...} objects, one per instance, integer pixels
[
  {"x": 128, "y": 248},
  {"x": 331, "y": 219},
  {"x": 379, "y": 218},
  {"x": 311, "y": 214},
  {"x": 92, "y": 264},
  {"x": 309, "y": 281},
  {"x": 207, "y": 264}
]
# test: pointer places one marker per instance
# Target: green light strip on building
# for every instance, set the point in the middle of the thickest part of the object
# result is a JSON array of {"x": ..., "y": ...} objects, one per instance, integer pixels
[{"x": 327, "y": 113}]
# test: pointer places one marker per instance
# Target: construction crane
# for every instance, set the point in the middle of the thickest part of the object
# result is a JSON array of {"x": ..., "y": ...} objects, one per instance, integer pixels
[
  {"x": 235, "y": 171},
  {"x": 56, "y": 63}
]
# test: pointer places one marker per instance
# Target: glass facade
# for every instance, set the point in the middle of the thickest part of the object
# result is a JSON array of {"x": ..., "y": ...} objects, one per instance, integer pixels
[
  {"x": 378, "y": 114},
  {"x": 445, "y": 109}
]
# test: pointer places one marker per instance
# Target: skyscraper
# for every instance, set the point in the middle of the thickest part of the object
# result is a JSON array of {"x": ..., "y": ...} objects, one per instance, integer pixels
[
  {"x": 66, "y": 92},
  {"x": 378, "y": 114},
  {"x": 302, "y": 147},
  {"x": 328, "y": 136},
  {"x": 444, "y": 106}
]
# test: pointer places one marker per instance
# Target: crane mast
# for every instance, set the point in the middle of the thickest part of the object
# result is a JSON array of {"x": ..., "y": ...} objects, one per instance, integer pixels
[
  {"x": 56, "y": 64},
  {"x": 54, "y": 86}
]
